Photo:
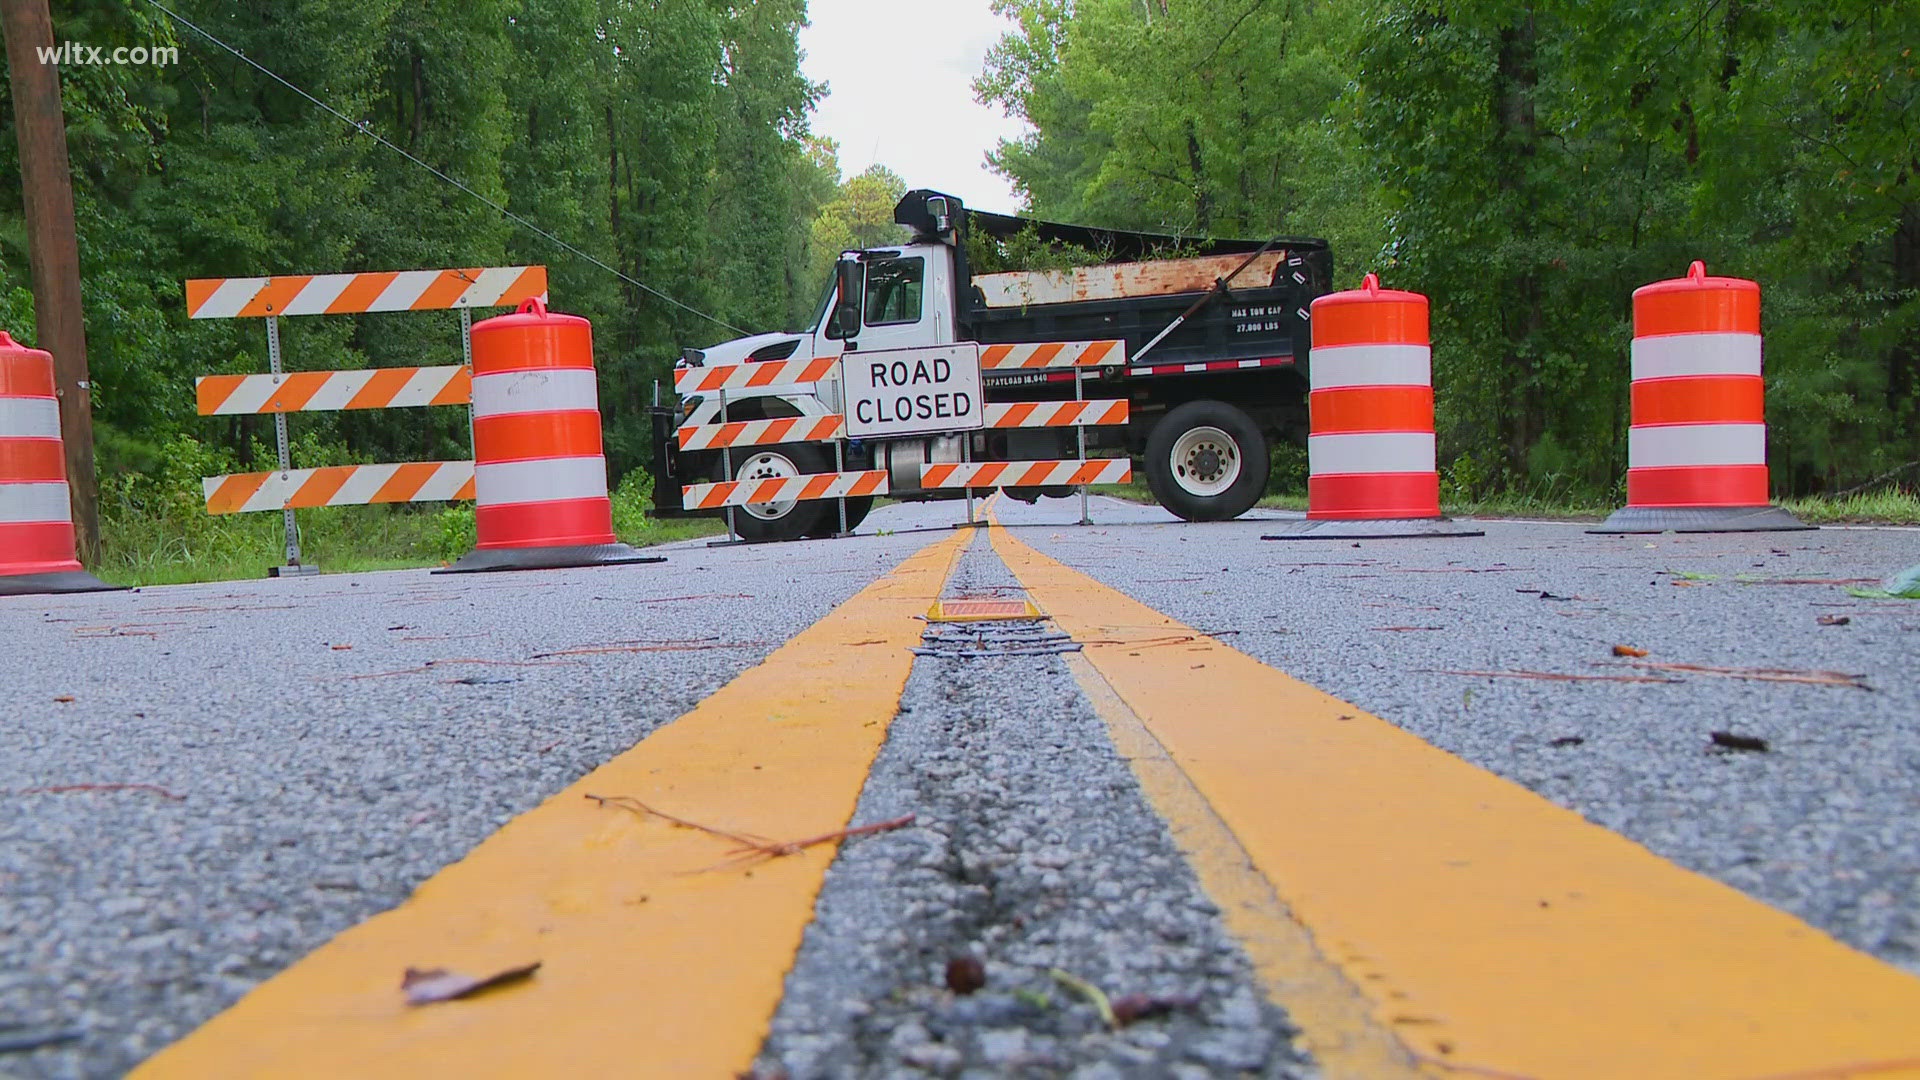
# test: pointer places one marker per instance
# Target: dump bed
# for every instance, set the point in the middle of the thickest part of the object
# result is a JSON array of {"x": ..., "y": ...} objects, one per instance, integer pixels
[{"x": 1262, "y": 314}]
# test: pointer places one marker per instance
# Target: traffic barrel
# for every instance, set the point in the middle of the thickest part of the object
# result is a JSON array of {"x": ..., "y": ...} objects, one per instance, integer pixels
[
  {"x": 1697, "y": 444},
  {"x": 1370, "y": 448},
  {"x": 540, "y": 474},
  {"x": 37, "y": 553}
]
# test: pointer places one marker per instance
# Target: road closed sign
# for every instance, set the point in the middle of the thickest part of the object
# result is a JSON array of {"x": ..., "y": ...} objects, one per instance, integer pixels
[{"x": 912, "y": 391}]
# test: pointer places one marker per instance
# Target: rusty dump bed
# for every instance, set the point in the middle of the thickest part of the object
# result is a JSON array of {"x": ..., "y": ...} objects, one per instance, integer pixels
[{"x": 1119, "y": 281}]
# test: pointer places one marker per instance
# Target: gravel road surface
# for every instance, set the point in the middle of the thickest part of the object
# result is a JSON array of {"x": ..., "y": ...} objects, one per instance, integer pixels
[
  {"x": 200, "y": 784},
  {"x": 1824, "y": 824},
  {"x": 306, "y": 751},
  {"x": 1033, "y": 851}
]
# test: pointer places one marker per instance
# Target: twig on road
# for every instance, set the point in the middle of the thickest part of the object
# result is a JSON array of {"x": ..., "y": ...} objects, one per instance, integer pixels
[
  {"x": 1784, "y": 675},
  {"x": 61, "y": 789},
  {"x": 431, "y": 664},
  {"x": 1550, "y": 676},
  {"x": 752, "y": 849}
]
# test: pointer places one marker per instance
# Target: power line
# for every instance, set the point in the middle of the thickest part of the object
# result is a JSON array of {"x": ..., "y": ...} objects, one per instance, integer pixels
[{"x": 367, "y": 129}]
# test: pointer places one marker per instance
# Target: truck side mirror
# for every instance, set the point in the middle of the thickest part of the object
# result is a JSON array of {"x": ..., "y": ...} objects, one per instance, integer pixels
[{"x": 846, "y": 309}]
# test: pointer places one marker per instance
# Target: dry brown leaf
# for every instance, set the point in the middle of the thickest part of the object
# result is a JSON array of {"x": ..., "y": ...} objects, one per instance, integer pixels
[
  {"x": 425, "y": 986},
  {"x": 64, "y": 699},
  {"x": 1628, "y": 650}
]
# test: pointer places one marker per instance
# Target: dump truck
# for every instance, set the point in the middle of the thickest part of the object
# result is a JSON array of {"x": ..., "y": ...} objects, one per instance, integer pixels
[{"x": 1205, "y": 340}]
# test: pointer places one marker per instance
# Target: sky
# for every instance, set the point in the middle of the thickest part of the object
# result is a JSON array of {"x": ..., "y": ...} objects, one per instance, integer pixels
[{"x": 900, "y": 92}]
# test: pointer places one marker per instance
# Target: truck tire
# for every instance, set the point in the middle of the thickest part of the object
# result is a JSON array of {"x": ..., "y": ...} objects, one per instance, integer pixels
[
  {"x": 1207, "y": 461},
  {"x": 789, "y": 520},
  {"x": 858, "y": 508}
]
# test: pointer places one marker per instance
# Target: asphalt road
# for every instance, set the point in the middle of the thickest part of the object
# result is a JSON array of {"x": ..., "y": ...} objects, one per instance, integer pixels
[{"x": 201, "y": 784}]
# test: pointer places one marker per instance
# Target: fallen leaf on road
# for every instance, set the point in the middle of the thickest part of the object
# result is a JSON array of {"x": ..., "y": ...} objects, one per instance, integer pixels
[
  {"x": 1628, "y": 650},
  {"x": 1833, "y": 620},
  {"x": 965, "y": 974},
  {"x": 340, "y": 648},
  {"x": 64, "y": 699},
  {"x": 1731, "y": 741},
  {"x": 1567, "y": 740},
  {"x": 1129, "y": 1008},
  {"x": 425, "y": 986},
  {"x": 1089, "y": 991},
  {"x": 1904, "y": 585}
]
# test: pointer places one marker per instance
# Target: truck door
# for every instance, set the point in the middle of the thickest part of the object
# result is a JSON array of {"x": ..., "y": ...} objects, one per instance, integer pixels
[{"x": 894, "y": 309}]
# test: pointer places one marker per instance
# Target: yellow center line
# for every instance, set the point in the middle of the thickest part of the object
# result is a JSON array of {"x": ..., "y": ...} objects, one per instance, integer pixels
[
  {"x": 654, "y": 963},
  {"x": 1494, "y": 933}
]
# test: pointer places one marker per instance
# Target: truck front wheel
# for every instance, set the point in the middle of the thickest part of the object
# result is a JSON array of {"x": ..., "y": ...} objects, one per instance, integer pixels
[
  {"x": 787, "y": 520},
  {"x": 1207, "y": 461}
]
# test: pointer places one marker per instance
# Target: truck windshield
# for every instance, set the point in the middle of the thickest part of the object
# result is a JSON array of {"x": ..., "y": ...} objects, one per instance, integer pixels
[
  {"x": 824, "y": 308},
  {"x": 894, "y": 290}
]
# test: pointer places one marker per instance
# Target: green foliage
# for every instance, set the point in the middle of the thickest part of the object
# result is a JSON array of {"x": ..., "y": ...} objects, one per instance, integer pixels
[
  {"x": 1025, "y": 250},
  {"x": 631, "y": 501},
  {"x": 667, "y": 140},
  {"x": 1526, "y": 166},
  {"x": 456, "y": 532}
]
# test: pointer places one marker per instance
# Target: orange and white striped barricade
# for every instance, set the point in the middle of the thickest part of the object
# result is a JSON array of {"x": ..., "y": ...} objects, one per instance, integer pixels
[
  {"x": 1078, "y": 414},
  {"x": 1697, "y": 444},
  {"x": 1371, "y": 462},
  {"x": 37, "y": 552},
  {"x": 540, "y": 471},
  {"x": 279, "y": 392},
  {"x": 728, "y": 435},
  {"x": 1021, "y": 474}
]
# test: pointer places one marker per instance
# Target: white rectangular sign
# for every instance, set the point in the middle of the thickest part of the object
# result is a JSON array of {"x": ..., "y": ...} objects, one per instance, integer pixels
[{"x": 912, "y": 391}]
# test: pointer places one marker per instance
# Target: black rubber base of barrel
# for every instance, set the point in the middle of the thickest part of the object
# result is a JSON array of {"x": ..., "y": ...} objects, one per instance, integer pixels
[
  {"x": 1374, "y": 529},
  {"x": 1649, "y": 519},
  {"x": 60, "y": 581},
  {"x": 488, "y": 560}
]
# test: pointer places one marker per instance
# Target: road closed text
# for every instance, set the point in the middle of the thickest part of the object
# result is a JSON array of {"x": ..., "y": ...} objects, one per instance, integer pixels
[
  {"x": 907, "y": 376},
  {"x": 912, "y": 391}
]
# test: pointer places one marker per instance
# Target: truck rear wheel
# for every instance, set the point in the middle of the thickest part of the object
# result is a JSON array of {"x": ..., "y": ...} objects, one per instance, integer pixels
[
  {"x": 1207, "y": 461},
  {"x": 789, "y": 520}
]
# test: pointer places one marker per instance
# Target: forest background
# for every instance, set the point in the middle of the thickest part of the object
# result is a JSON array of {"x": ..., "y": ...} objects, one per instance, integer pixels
[{"x": 1525, "y": 165}]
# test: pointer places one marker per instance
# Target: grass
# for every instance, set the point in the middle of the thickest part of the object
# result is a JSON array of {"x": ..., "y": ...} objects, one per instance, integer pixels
[
  {"x": 178, "y": 543},
  {"x": 1892, "y": 507}
]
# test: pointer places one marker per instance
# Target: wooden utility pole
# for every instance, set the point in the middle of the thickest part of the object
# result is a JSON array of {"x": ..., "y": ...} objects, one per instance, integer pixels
[{"x": 53, "y": 249}]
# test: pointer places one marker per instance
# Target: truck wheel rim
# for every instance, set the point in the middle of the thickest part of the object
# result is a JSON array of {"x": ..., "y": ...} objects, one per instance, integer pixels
[
  {"x": 767, "y": 465},
  {"x": 1206, "y": 461}
]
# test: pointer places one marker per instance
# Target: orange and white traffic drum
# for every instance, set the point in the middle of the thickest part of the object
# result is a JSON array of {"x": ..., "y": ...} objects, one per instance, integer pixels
[
  {"x": 1370, "y": 450},
  {"x": 540, "y": 474},
  {"x": 1697, "y": 444},
  {"x": 36, "y": 519}
]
